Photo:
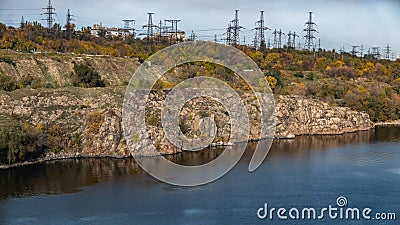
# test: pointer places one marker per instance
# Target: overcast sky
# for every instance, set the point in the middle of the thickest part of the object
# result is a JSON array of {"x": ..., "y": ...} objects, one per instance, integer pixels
[{"x": 340, "y": 22}]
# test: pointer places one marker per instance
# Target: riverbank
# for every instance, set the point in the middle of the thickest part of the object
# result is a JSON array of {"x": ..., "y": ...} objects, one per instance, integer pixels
[
  {"x": 388, "y": 123},
  {"x": 65, "y": 156},
  {"x": 55, "y": 158},
  {"x": 73, "y": 122}
]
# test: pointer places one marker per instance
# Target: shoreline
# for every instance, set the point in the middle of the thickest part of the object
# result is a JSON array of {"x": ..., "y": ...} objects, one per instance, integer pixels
[
  {"x": 56, "y": 158},
  {"x": 66, "y": 156},
  {"x": 388, "y": 123}
]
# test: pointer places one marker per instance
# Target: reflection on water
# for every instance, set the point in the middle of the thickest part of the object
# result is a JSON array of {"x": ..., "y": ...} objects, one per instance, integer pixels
[
  {"x": 56, "y": 177},
  {"x": 387, "y": 134},
  {"x": 194, "y": 158},
  {"x": 395, "y": 171},
  {"x": 67, "y": 176}
]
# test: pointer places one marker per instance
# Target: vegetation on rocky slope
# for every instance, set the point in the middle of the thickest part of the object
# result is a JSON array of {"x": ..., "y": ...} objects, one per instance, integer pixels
[
  {"x": 19, "y": 144},
  {"x": 362, "y": 84},
  {"x": 365, "y": 84}
]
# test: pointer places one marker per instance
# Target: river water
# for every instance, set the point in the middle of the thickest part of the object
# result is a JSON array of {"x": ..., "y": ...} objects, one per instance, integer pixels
[{"x": 309, "y": 171}]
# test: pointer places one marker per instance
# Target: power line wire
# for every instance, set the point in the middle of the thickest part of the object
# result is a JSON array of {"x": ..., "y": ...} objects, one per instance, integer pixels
[{"x": 19, "y": 9}]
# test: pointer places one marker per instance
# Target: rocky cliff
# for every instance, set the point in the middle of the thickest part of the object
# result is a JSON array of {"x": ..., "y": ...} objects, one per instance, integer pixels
[
  {"x": 54, "y": 69},
  {"x": 87, "y": 122},
  {"x": 297, "y": 115}
]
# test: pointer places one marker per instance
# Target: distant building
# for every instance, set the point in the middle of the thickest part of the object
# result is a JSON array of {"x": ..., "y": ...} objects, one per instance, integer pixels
[
  {"x": 99, "y": 31},
  {"x": 180, "y": 35}
]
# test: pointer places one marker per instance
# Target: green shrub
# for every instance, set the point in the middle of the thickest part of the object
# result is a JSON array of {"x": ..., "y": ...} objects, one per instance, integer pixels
[
  {"x": 310, "y": 76},
  {"x": 276, "y": 74},
  {"x": 27, "y": 81},
  {"x": 85, "y": 76},
  {"x": 49, "y": 85},
  {"x": 3, "y": 145},
  {"x": 76, "y": 139},
  {"x": 153, "y": 120},
  {"x": 125, "y": 83},
  {"x": 7, "y": 83},
  {"x": 162, "y": 84},
  {"x": 18, "y": 144},
  {"x": 35, "y": 84},
  {"x": 184, "y": 126},
  {"x": 57, "y": 149}
]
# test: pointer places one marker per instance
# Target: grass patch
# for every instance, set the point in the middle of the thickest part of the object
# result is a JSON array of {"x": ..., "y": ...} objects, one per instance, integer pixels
[{"x": 94, "y": 122}]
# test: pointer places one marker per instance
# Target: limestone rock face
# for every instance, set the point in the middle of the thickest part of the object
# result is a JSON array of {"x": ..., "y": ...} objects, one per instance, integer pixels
[
  {"x": 87, "y": 122},
  {"x": 297, "y": 115},
  {"x": 55, "y": 69}
]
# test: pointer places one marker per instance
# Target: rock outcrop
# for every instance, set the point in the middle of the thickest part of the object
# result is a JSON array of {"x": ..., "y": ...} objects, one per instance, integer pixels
[
  {"x": 87, "y": 122},
  {"x": 297, "y": 115},
  {"x": 55, "y": 69},
  {"x": 84, "y": 122}
]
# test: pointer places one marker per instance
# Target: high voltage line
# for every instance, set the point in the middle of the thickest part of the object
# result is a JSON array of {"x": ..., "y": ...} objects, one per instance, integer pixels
[
  {"x": 235, "y": 33},
  {"x": 215, "y": 29},
  {"x": 19, "y": 9}
]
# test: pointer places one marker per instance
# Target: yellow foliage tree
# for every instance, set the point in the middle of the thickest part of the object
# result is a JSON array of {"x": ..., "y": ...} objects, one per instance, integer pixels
[
  {"x": 368, "y": 66},
  {"x": 273, "y": 58},
  {"x": 8, "y": 42},
  {"x": 339, "y": 63},
  {"x": 272, "y": 81}
]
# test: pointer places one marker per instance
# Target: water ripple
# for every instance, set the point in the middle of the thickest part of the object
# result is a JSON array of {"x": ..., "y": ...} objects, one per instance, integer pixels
[{"x": 394, "y": 170}]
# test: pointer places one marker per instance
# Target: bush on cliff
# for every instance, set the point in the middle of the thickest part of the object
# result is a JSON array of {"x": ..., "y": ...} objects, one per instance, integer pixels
[
  {"x": 6, "y": 83},
  {"x": 19, "y": 144},
  {"x": 85, "y": 76}
]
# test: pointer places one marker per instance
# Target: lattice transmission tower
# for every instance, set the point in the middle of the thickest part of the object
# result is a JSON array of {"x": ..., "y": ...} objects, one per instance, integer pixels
[
  {"x": 260, "y": 31},
  {"x": 310, "y": 31},
  {"x": 49, "y": 12}
]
